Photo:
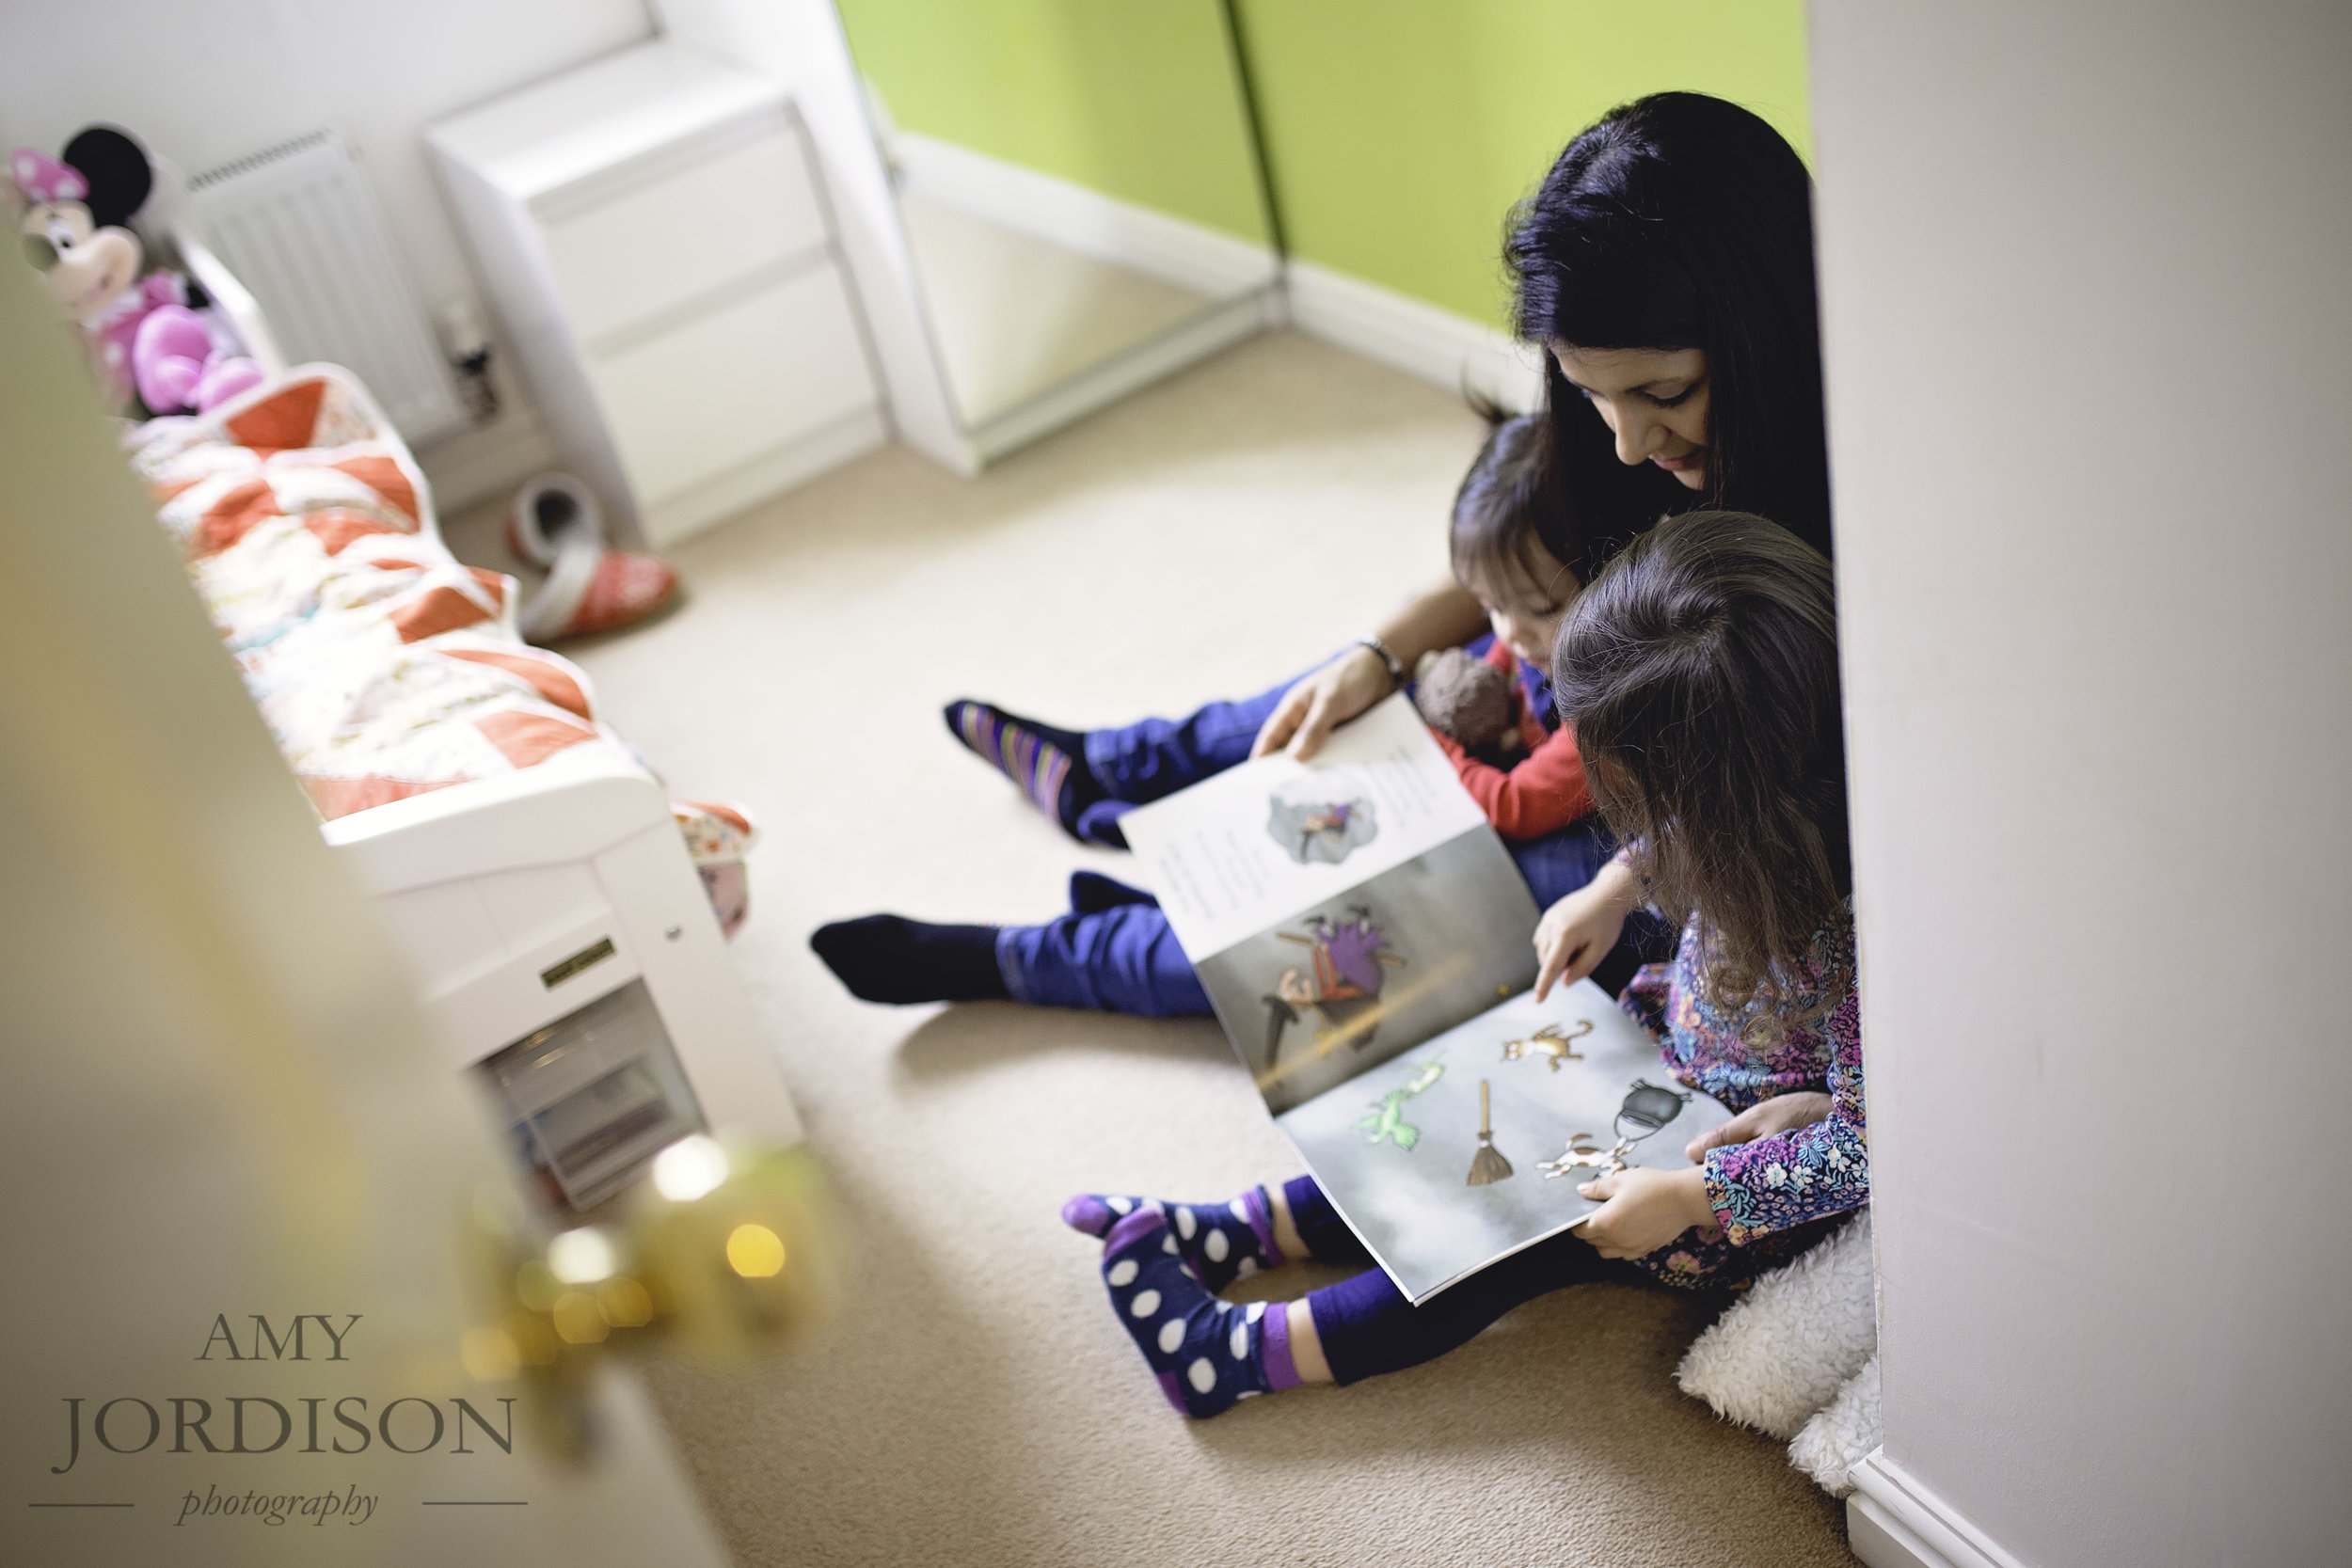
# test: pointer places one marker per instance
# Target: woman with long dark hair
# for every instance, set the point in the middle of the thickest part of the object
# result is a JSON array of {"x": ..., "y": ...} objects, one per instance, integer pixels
[{"x": 1666, "y": 264}]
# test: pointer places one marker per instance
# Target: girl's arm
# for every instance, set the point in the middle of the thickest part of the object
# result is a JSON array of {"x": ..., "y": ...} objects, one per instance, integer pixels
[
  {"x": 1545, "y": 792},
  {"x": 1444, "y": 617},
  {"x": 1577, "y": 933},
  {"x": 1808, "y": 1174}
]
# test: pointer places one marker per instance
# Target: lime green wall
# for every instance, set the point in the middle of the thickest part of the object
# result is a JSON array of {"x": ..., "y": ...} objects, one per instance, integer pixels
[
  {"x": 1133, "y": 97},
  {"x": 1400, "y": 132}
]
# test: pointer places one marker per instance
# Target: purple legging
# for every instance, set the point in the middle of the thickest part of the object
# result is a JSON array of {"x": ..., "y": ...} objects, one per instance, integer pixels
[{"x": 1366, "y": 1326}]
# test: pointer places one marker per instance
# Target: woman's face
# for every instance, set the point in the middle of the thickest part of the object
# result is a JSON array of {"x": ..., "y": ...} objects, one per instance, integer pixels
[{"x": 1654, "y": 400}]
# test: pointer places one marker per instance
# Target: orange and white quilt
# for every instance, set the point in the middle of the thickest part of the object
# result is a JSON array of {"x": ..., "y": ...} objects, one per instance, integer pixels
[{"x": 384, "y": 666}]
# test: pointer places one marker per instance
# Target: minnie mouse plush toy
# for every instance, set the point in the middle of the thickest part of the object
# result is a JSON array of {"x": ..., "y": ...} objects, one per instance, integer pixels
[{"x": 144, "y": 338}]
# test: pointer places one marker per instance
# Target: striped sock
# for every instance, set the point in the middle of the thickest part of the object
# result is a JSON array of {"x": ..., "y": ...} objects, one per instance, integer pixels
[
  {"x": 1220, "y": 1242},
  {"x": 1048, "y": 764},
  {"x": 1205, "y": 1352}
]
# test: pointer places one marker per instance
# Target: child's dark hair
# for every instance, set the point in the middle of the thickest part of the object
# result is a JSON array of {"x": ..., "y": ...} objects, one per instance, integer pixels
[
  {"x": 1678, "y": 221},
  {"x": 1700, "y": 672},
  {"x": 1496, "y": 538}
]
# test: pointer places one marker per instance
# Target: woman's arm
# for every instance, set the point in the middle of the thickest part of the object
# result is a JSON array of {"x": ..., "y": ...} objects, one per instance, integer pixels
[{"x": 1443, "y": 617}]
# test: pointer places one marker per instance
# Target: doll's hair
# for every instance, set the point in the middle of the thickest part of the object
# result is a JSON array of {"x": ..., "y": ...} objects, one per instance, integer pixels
[
  {"x": 1700, "y": 672},
  {"x": 1496, "y": 541},
  {"x": 1678, "y": 221}
]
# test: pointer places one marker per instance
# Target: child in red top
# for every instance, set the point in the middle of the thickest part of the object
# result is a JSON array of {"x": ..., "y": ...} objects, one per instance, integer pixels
[
  {"x": 1544, "y": 790},
  {"x": 1114, "y": 949},
  {"x": 1499, "y": 556}
]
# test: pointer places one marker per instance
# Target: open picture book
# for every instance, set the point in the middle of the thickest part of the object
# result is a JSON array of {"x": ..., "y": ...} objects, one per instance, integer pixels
[{"x": 1369, "y": 946}]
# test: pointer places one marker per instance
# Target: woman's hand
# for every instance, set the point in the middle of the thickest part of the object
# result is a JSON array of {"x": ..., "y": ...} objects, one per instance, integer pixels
[
  {"x": 1644, "y": 1210},
  {"x": 1443, "y": 616},
  {"x": 1765, "y": 1118},
  {"x": 1321, "y": 701},
  {"x": 1577, "y": 932}
]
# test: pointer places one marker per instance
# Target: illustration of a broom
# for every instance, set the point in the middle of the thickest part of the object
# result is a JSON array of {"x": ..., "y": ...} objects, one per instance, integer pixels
[{"x": 1488, "y": 1165}]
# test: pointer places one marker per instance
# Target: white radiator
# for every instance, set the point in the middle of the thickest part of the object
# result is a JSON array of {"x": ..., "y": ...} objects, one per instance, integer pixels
[{"x": 298, "y": 226}]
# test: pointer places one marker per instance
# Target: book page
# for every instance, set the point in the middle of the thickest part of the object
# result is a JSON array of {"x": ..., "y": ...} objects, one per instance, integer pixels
[
  {"x": 1376, "y": 968},
  {"x": 1260, "y": 843},
  {"x": 1393, "y": 1147}
]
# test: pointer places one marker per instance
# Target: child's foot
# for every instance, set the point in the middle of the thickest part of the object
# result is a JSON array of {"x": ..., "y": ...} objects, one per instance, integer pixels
[
  {"x": 1220, "y": 1242},
  {"x": 1091, "y": 892},
  {"x": 1206, "y": 1353},
  {"x": 887, "y": 958},
  {"x": 1048, "y": 764}
]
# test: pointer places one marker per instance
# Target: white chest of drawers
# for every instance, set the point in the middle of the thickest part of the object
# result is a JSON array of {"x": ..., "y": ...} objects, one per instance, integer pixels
[{"x": 652, "y": 233}]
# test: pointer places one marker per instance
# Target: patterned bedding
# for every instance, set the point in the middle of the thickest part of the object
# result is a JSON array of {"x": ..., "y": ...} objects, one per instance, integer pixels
[{"x": 384, "y": 666}]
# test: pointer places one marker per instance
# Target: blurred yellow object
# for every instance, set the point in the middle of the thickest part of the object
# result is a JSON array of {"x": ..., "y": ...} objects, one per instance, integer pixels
[
  {"x": 727, "y": 1250},
  {"x": 536, "y": 1287},
  {"x": 490, "y": 1355},
  {"x": 747, "y": 1265},
  {"x": 755, "y": 1252},
  {"x": 581, "y": 1257},
  {"x": 579, "y": 1320},
  {"x": 689, "y": 1168},
  {"x": 626, "y": 1302}
]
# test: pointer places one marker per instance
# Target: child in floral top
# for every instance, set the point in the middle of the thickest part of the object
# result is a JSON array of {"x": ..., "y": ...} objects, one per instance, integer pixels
[
  {"x": 1700, "y": 674},
  {"x": 1768, "y": 1196}
]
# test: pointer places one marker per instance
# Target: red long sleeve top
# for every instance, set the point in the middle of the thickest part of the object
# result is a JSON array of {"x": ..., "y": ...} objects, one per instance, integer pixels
[{"x": 1546, "y": 790}]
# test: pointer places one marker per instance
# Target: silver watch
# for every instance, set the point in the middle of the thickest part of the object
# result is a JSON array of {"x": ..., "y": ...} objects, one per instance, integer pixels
[{"x": 1396, "y": 665}]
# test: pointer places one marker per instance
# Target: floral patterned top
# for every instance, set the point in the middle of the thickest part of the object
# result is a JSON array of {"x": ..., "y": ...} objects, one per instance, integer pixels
[{"x": 1774, "y": 1197}]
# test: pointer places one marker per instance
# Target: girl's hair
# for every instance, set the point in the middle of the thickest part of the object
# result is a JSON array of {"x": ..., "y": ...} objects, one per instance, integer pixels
[
  {"x": 1678, "y": 221},
  {"x": 1496, "y": 538},
  {"x": 1700, "y": 672}
]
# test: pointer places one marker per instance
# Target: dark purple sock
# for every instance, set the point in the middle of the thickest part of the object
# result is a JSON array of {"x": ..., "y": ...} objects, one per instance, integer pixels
[
  {"x": 888, "y": 958},
  {"x": 1328, "y": 1239},
  {"x": 1206, "y": 1353},
  {"x": 1049, "y": 764},
  {"x": 1220, "y": 1242}
]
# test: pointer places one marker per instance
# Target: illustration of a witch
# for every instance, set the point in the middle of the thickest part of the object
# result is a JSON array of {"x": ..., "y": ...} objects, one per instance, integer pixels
[
  {"x": 1321, "y": 832},
  {"x": 1341, "y": 984}
]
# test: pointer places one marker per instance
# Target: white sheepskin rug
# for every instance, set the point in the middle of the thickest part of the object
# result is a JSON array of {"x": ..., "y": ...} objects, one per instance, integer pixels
[{"x": 1797, "y": 1357}]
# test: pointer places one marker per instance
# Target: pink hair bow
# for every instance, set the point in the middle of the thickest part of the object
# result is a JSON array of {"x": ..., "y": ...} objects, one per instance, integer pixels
[{"x": 42, "y": 178}]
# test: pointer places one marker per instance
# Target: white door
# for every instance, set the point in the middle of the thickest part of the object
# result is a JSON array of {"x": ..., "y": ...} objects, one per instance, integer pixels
[{"x": 236, "y": 1173}]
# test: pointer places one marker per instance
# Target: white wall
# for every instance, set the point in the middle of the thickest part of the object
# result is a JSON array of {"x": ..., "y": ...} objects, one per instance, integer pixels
[
  {"x": 2087, "y": 271},
  {"x": 202, "y": 83}
]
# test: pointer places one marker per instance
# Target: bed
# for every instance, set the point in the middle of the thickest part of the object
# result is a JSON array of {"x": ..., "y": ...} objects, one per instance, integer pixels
[{"x": 566, "y": 919}]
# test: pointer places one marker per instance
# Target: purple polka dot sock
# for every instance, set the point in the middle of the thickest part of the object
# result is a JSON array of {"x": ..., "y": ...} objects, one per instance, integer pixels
[
  {"x": 1220, "y": 1242},
  {"x": 1205, "y": 1352}
]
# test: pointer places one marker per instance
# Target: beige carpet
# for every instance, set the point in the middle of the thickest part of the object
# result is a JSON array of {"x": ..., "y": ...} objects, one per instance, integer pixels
[{"x": 976, "y": 1403}]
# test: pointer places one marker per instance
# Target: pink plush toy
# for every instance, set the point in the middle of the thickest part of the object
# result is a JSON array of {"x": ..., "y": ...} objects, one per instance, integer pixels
[
  {"x": 74, "y": 229},
  {"x": 176, "y": 365}
]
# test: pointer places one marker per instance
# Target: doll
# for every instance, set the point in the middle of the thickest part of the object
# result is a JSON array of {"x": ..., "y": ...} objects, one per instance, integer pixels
[
  {"x": 149, "y": 345},
  {"x": 1467, "y": 699}
]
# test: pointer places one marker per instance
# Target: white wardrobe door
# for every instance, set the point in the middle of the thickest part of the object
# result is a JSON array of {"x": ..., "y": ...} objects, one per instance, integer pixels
[
  {"x": 736, "y": 383},
  {"x": 685, "y": 234}
]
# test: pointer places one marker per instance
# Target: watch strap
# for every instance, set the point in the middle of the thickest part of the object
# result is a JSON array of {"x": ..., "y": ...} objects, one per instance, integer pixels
[{"x": 1396, "y": 665}]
